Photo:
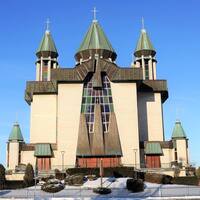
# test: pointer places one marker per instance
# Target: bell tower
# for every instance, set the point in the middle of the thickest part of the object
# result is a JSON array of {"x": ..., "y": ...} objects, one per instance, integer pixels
[
  {"x": 46, "y": 57},
  {"x": 145, "y": 55}
]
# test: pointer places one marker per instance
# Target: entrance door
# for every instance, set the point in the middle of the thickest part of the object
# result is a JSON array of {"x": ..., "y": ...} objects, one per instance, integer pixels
[
  {"x": 43, "y": 164},
  {"x": 153, "y": 161}
]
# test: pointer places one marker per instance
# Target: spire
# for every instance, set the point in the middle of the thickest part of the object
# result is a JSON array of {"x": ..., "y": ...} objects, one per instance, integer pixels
[
  {"x": 94, "y": 14},
  {"x": 16, "y": 134},
  {"x": 96, "y": 40},
  {"x": 144, "y": 45},
  {"x": 178, "y": 131},
  {"x": 47, "y": 46}
]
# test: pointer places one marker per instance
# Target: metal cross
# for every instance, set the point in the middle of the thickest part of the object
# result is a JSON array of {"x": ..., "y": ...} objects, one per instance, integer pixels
[
  {"x": 94, "y": 13},
  {"x": 47, "y": 24}
]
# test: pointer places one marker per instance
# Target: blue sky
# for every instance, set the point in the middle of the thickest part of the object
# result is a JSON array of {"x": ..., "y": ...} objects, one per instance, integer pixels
[{"x": 174, "y": 29}]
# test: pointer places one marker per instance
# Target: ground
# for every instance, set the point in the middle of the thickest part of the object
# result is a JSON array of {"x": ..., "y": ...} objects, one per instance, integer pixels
[{"x": 152, "y": 191}]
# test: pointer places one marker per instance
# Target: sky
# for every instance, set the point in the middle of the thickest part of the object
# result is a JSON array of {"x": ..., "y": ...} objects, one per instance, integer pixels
[{"x": 174, "y": 29}]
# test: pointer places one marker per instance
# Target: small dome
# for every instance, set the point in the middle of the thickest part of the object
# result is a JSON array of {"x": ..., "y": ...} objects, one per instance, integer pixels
[
  {"x": 144, "y": 46},
  {"x": 16, "y": 134},
  {"x": 47, "y": 46}
]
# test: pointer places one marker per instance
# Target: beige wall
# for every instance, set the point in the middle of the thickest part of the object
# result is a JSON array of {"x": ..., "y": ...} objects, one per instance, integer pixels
[
  {"x": 13, "y": 154},
  {"x": 181, "y": 146},
  {"x": 125, "y": 107},
  {"x": 28, "y": 157},
  {"x": 166, "y": 159},
  {"x": 69, "y": 107},
  {"x": 43, "y": 119},
  {"x": 150, "y": 116}
]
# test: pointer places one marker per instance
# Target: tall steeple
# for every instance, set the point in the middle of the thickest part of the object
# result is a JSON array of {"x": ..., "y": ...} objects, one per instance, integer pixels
[
  {"x": 47, "y": 56},
  {"x": 145, "y": 55},
  {"x": 178, "y": 131},
  {"x": 95, "y": 42}
]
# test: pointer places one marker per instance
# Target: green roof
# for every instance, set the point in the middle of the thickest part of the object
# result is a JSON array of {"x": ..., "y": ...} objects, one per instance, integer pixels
[
  {"x": 178, "y": 131},
  {"x": 47, "y": 43},
  {"x": 95, "y": 39},
  {"x": 144, "y": 43},
  {"x": 43, "y": 150},
  {"x": 16, "y": 133},
  {"x": 153, "y": 148}
]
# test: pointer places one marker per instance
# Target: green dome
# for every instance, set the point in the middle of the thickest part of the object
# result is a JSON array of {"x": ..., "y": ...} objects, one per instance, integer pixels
[
  {"x": 178, "y": 131},
  {"x": 95, "y": 39},
  {"x": 47, "y": 45},
  {"x": 16, "y": 133},
  {"x": 144, "y": 45}
]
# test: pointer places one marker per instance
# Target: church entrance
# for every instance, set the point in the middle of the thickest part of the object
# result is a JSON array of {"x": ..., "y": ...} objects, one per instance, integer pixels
[
  {"x": 43, "y": 163},
  {"x": 153, "y": 161},
  {"x": 94, "y": 162}
]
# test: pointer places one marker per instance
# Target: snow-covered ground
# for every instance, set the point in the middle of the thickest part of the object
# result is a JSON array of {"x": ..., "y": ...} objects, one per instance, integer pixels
[{"x": 119, "y": 191}]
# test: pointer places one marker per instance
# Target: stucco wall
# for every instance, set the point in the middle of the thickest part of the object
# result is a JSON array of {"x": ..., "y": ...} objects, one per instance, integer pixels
[
  {"x": 28, "y": 157},
  {"x": 125, "y": 107},
  {"x": 13, "y": 154},
  {"x": 69, "y": 107},
  {"x": 43, "y": 119},
  {"x": 150, "y": 116},
  {"x": 181, "y": 146},
  {"x": 166, "y": 159}
]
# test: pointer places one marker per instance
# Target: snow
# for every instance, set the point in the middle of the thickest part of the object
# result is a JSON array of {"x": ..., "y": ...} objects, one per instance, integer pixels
[{"x": 119, "y": 191}]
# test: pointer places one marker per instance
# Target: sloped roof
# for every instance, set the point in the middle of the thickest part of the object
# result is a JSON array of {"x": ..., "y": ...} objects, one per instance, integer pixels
[
  {"x": 43, "y": 150},
  {"x": 95, "y": 38},
  {"x": 16, "y": 133},
  {"x": 178, "y": 131},
  {"x": 47, "y": 44},
  {"x": 153, "y": 148},
  {"x": 144, "y": 44}
]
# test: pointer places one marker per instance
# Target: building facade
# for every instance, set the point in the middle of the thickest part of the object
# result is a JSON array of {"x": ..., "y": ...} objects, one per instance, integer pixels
[{"x": 96, "y": 110}]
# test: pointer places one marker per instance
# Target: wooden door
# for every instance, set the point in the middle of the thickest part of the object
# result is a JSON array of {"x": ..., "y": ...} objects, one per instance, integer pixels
[
  {"x": 43, "y": 164},
  {"x": 153, "y": 161}
]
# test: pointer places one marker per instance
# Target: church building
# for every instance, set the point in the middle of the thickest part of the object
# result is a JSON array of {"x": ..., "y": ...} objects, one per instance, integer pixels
[{"x": 96, "y": 110}]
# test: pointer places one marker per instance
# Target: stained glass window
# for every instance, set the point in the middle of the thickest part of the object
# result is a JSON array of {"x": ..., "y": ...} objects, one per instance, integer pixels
[{"x": 102, "y": 96}]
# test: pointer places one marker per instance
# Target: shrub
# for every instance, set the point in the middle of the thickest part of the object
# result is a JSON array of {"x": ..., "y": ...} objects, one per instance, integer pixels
[
  {"x": 77, "y": 179},
  {"x": 186, "y": 180},
  {"x": 60, "y": 175},
  {"x": 135, "y": 185},
  {"x": 102, "y": 190},
  {"x": 52, "y": 186},
  {"x": 46, "y": 178},
  {"x": 158, "y": 178},
  {"x": 14, "y": 184},
  {"x": 117, "y": 172},
  {"x": 2, "y": 176},
  {"x": 29, "y": 175}
]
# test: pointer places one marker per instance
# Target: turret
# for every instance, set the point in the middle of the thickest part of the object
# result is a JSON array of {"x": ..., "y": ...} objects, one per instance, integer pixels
[
  {"x": 145, "y": 55},
  {"x": 180, "y": 143},
  {"x": 47, "y": 57},
  {"x": 95, "y": 42},
  {"x": 13, "y": 147}
]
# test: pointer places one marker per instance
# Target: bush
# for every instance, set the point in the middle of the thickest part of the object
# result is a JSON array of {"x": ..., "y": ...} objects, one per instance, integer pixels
[
  {"x": 29, "y": 176},
  {"x": 117, "y": 172},
  {"x": 186, "y": 180},
  {"x": 14, "y": 185},
  {"x": 135, "y": 185},
  {"x": 158, "y": 178},
  {"x": 2, "y": 176},
  {"x": 46, "y": 178},
  {"x": 77, "y": 179},
  {"x": 52, "y": 186},
  {"x": 102, "y": 190}
]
